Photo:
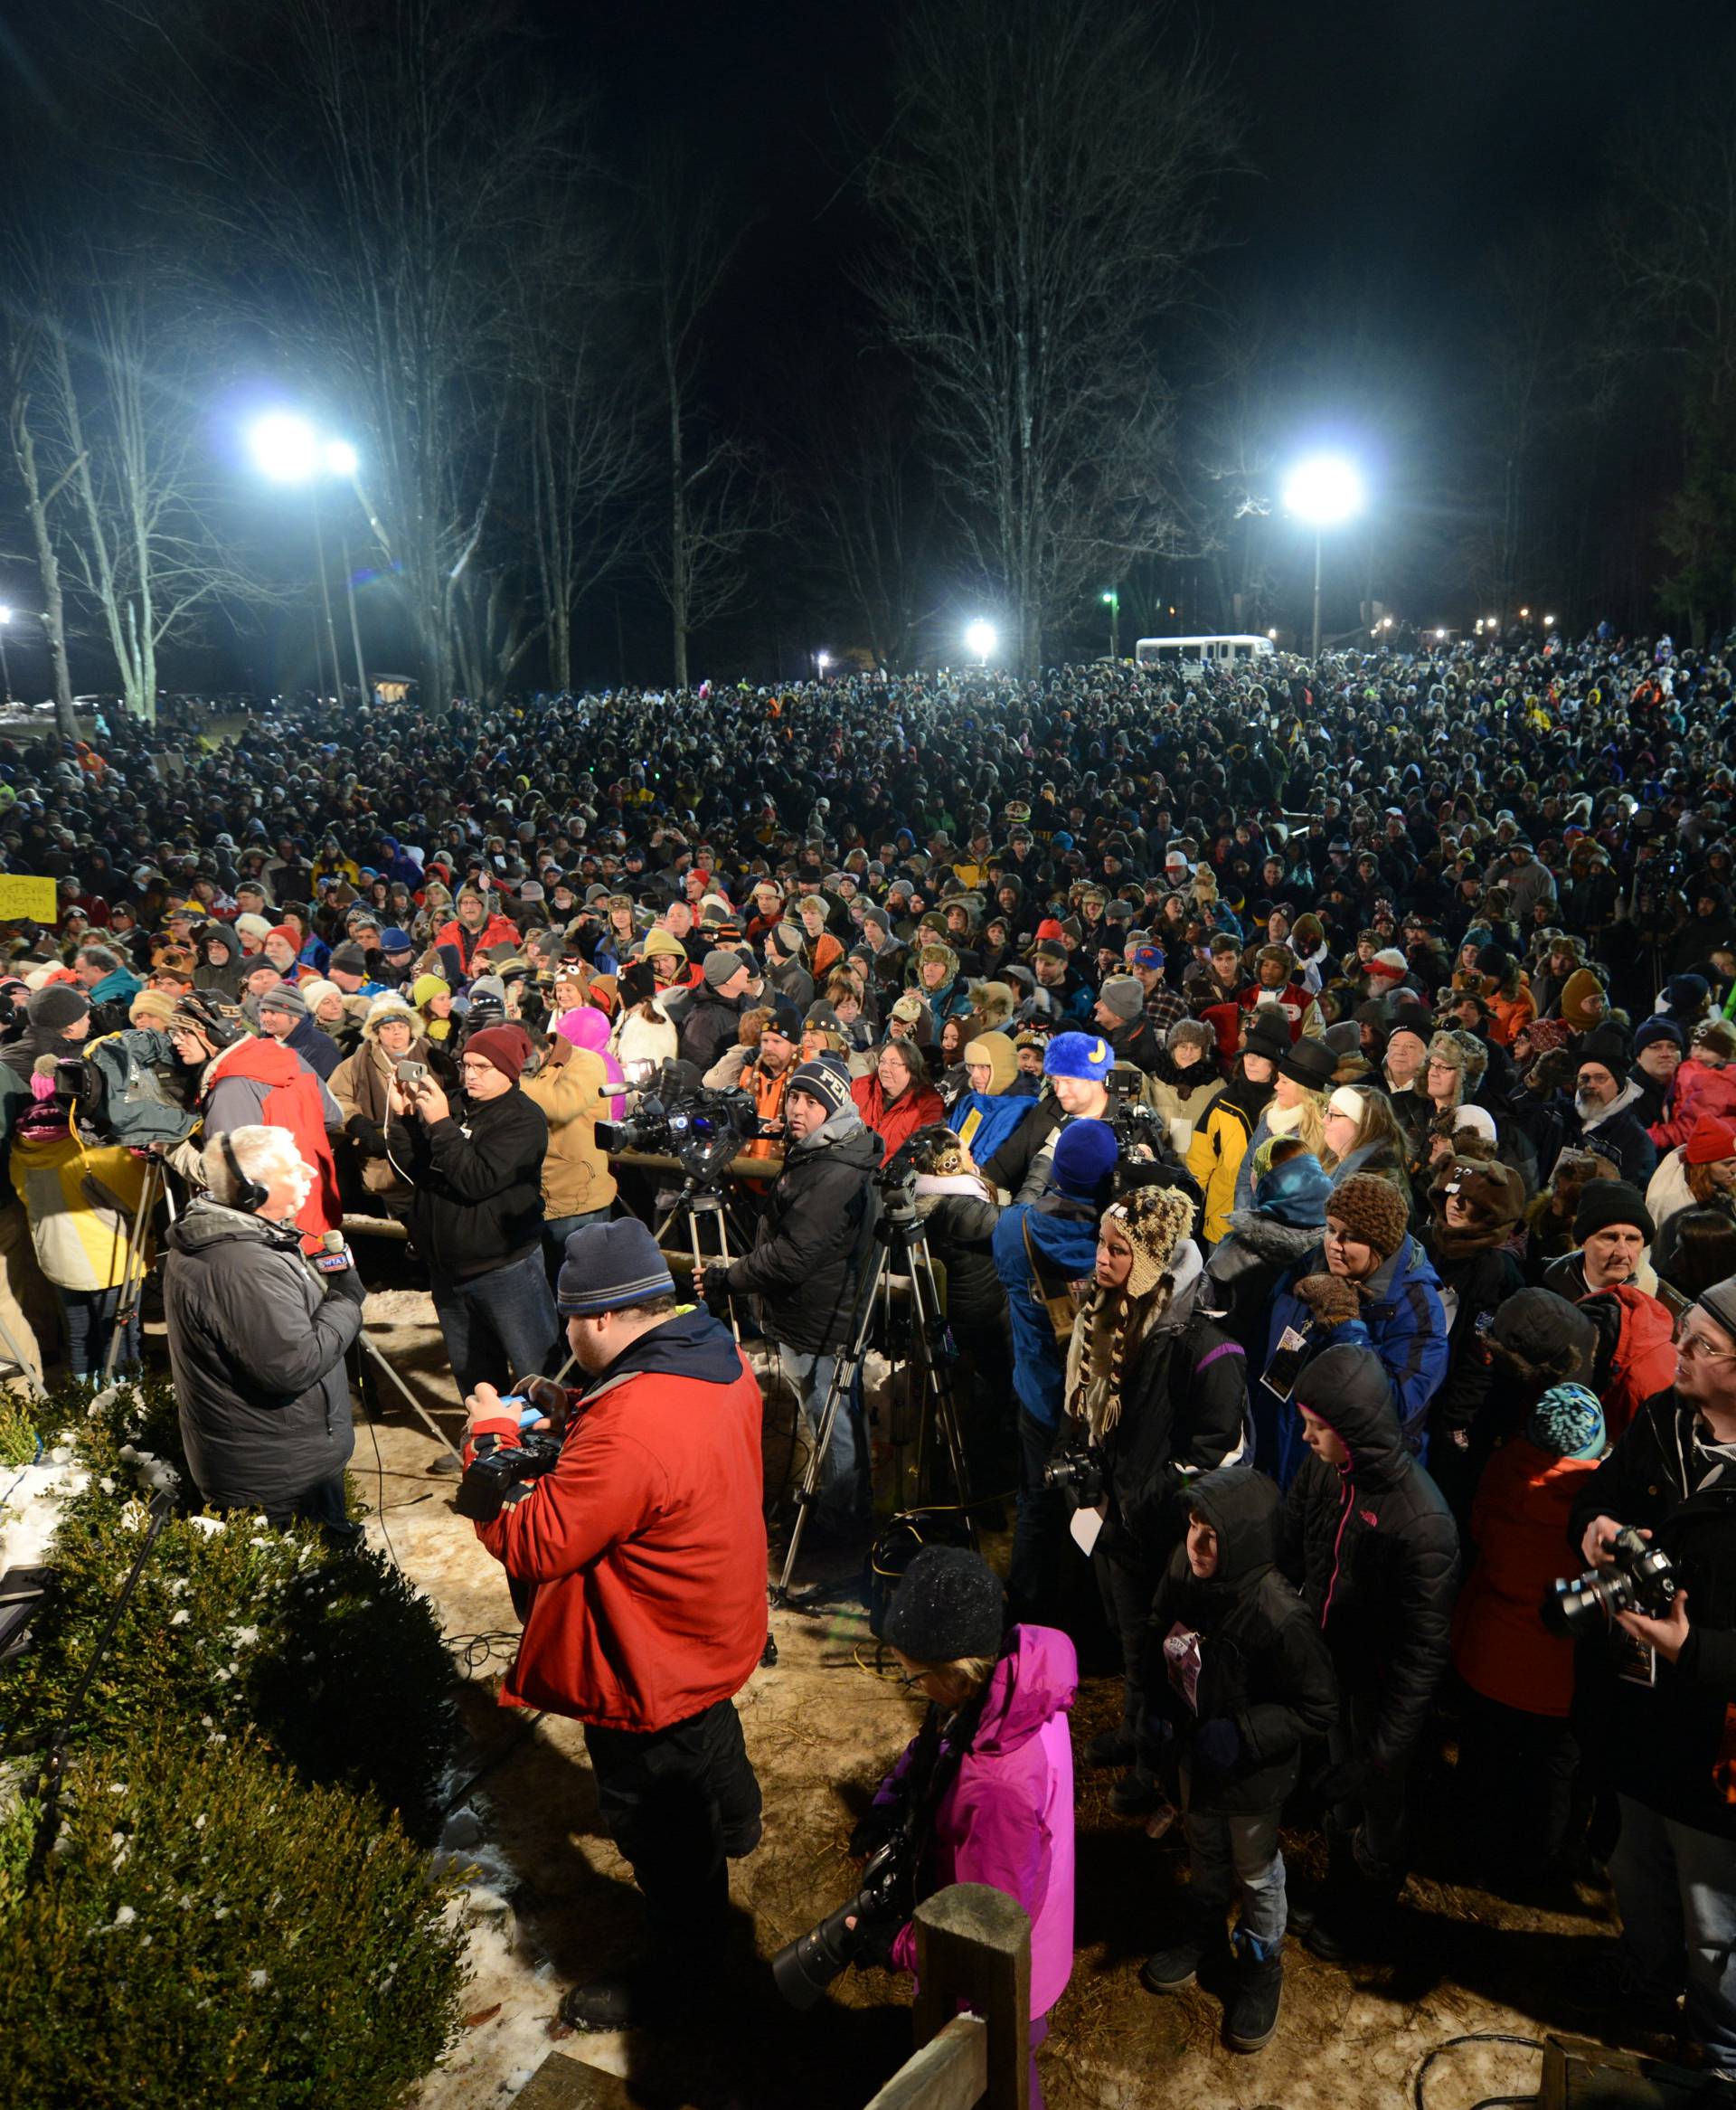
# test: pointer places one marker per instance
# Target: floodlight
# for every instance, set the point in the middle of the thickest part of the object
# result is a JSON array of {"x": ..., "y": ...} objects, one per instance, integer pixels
[
  {"x": 1324, "y": 489},
  {"x": 341, "y": 458},
  {"x": 979, "y": 640},
  {"x": 284, "y": 448}
]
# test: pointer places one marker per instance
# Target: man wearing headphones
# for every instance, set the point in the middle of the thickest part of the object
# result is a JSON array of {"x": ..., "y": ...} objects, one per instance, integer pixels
[{"x": 257, "y": 1341}]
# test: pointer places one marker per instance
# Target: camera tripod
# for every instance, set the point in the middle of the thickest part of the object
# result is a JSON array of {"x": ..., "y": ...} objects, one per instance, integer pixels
[
  {"x": 900, "y": 1246},
  {"x": 696, "y": 1201},
  {"x": 136, "y": 1262}
]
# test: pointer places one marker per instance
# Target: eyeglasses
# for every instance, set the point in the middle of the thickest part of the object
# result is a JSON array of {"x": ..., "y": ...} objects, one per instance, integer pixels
[{"x": 1695, "y": 1347}]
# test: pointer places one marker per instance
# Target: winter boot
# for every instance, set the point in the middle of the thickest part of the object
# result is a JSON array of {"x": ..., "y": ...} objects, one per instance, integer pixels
[
  {"x": 1256, "y": 1989},
  {"x": 1202, "y": 1945},
  {"x": 1115, "y": 1747}
]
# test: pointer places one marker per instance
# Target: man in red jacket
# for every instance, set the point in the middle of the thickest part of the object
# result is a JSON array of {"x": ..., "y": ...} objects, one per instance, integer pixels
[
  {"x": 644, "y": 1554},
  {"x": 474, "y": 928}
]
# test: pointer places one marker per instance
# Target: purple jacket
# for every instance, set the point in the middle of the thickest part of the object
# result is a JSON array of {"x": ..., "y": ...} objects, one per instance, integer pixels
[{"x": 1007, "y": 1819}]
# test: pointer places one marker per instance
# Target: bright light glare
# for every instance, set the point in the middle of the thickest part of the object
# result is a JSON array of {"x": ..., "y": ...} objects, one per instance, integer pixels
[
  {"x": 1386, "y": 622},
  {"x": 1524, "y": 611},
  {"x": 1441, "y": 634},
  {"x": 1272, "y": 635},
  {"x": 284, "y": 448},
  {"x": 979, "y": 641},
  {"x": 341, "y": 458},
  {"x": 5, "y": 615},
  {"x": 1325, "y": 489},
  {"x": 1548, "y": 621},
  {"x": 822, "y": 660},
  {"x": 1493, "y": 622}
]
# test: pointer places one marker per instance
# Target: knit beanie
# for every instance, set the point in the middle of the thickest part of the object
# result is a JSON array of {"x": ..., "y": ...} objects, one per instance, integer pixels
[
  {"x": 426, "y": 987},
  {"x": 505, "y": 1046},
  {"x": 314, "y": 993},
  {"x": 1719, "y": 1300},
  {"x": 1478, "y": 1119},
  {"x": 1568, "y": 1422},
  {"x": 350, "y": 959},
  {"x": 659, "y": 942},
  {"x": 1084, "y": 1055},
  {"x": 1153, "y": 1220},
  {"x": 719, "y": 966},
  {"x": 1372, "y": 1210},
  {"x": 151, "y": 1007},
  {"x": 1122, "y": 995},
  {"x": 609, "y": 1266},
  {"x": 1580, "y": 986},
  {"x": 948, "y": 1606},
  {"x": 286, "y": 998},
  {"x": 790, "y": 939},
  {"x": 1605, "y": 1046},
  {"x": 1655, "y": 1028},
  {"x": 1606, "y": 1202},
  {"x": 1711, "y": 1140},
  {"x": 1295, "y": 1192},
  {"x": 824, "y": 1079},
  {"x": 1388, "y": 965},
  {"x": 57, "y": 1006},
  {"x": 1084, "y": 1157},
  {"x": 393, "y": 940}
]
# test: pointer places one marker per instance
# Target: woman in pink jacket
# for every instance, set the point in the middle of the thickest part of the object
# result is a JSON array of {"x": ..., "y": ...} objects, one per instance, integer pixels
[{"x": 986, "y": 1785}]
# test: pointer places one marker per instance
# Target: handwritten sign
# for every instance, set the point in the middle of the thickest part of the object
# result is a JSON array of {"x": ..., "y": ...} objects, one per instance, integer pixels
[{"x": 34, "y": 898}]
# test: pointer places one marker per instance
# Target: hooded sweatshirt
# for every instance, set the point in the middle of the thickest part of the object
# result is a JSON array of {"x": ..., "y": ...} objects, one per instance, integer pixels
[
  {"x": 645, "y": 1545},
  {"x": 1007, "y": 1818},
  {"x": 1240, "y": 1647}
]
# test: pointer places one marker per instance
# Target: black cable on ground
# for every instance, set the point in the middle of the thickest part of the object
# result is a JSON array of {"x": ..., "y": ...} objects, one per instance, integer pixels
[{"x": 1477, "y": 2037}]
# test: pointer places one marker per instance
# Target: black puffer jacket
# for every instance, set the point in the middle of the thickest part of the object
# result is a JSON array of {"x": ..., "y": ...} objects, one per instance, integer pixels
[
  {"x": 813, "y": 1236},
  {"x": 960, "y": 1221},
  {"x": 1374, "y": 1547},
  {"x": 1660, "y": 1744},
  {"x": 477, "y": 1176},
  {"x": 256, "y": 1344},
  {"x": 1244, "y": 1270},
  {"x": 1263, "y": 1665},
  {"x": 1479, "y": 1282}
]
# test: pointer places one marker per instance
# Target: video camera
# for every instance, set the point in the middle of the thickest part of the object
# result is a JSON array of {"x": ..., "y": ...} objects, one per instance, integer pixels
[{"x": 677, "y": 1117}]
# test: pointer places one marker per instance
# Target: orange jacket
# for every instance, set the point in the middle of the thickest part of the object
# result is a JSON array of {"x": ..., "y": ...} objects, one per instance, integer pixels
[
  {"x": 1507, "y": 1015},
  {"x": 1501, "y": 1647}
]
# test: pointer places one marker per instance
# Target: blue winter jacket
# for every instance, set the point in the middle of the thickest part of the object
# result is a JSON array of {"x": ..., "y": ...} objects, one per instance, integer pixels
[
  {"x": 1065, "y": 1234},
  {"x": 1403, "y": 1320}
]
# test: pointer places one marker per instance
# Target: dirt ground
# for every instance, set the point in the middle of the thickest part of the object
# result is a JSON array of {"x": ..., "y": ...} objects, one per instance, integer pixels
[{"x": 554, "y": 1903}]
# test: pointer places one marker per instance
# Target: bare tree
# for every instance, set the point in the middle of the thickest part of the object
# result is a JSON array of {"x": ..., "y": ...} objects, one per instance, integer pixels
[
  {"x": 1045, "y": 183},
  {"x": 369, "y": 178},
  {"x": 718, "y": 500},
  {"x": 21, "y": 355}
]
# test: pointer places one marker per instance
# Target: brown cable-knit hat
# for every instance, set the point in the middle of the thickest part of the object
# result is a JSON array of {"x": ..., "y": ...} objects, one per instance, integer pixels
[
  {"x": 1371, "y": 1209},
  {"x": 1153, "y": 1220}
]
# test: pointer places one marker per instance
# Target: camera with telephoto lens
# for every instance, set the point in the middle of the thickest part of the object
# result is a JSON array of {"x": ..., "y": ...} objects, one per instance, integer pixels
[
  {"x": 1643, "y": 1579},
  {"x": 803, "y": 1968},
  {"x": 493, "y": 1473},
  {"x": 1076, "y": 1470},
  {"x": 703, "y": 1130}
]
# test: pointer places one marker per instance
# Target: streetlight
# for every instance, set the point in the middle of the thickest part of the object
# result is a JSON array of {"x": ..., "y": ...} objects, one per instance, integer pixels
[
  {"x": 6, "y": 671},
  {"x": 1549, "y": 622},
  {"x": 288, "y": 451},
  {"x": 1273, "y": 635},
  {"x": 1112, "y": 602},
  {"x": 1525, "y": 615},
  {"x": 1324, "y": 490},
  {"x": 979, "y": 641},
  {"x": 822, "y": 660}
]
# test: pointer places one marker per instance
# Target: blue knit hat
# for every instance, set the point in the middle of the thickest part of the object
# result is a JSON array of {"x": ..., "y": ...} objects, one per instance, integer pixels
[
  {"x": 609, "y": 1266},
  {"x": 1087, "y": 1055},
  {"x": 1294, "y": 1193},
  {"x": 393, "y": 940},
  {"x": 1568, "y": 1421},
  {"x": 1084, "y": 1155}
]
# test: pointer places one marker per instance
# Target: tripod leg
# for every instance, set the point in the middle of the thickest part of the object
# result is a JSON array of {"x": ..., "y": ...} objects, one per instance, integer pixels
[
  {"x": 938, "y": 1380},
  {"x": 844, "y": 1377},
  {"x": 380, "y": 1362},
  {"x": 133, "y": 1267}
]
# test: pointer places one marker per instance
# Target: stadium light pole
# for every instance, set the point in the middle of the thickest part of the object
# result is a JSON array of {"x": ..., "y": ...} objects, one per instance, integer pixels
[
  {"x": 342, "y": 460},
  {"x": 1112, "y": 602},
  {"x": 1324, "y": 490},
  {"x": 979, "y": 641}
]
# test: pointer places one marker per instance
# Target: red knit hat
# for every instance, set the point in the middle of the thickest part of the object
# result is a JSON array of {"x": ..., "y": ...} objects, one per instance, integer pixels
[
  {"x": 1049, "y": 928},
  {"x": 508, "y": 1047},
  {"x": 1712, "y": 1138}
]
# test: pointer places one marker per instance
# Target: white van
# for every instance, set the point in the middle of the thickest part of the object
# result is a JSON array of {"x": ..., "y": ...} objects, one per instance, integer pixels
[{"x": 1198, "y": 652}]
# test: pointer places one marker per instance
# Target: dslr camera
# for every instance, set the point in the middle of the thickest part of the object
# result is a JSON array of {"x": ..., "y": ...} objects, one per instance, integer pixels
[
  {"x": 493, "y": 1473},
  {"x": 1643, "y": 1580},
  {"x": 803, "y": 1968},
  {"x": 1076, "y": 1470}
]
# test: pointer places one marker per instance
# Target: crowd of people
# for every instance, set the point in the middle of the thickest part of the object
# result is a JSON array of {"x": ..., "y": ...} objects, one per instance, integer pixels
[{"x": 1318, "y": 1084}]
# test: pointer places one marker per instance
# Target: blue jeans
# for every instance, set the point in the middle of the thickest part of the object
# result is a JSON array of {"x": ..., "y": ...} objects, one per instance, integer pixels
[
  {"x": 1675, "y": 1888},
  {"x": 498, "y": 1325},
  {"x": 87, "y": 1318},
  {"x": 1227, "y": 1854},
  {"x": 556, "y": 1231},
  {"x": 842, "y": 1499}
]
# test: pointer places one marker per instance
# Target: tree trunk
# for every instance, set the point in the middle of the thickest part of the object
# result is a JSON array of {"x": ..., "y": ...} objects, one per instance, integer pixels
[
  {"x": 48, "y": 572},
  {"x": 677, "y": 533}
]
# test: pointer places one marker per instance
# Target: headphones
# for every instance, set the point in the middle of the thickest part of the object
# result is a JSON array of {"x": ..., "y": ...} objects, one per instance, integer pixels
[{"x": 249, "y": 1193}]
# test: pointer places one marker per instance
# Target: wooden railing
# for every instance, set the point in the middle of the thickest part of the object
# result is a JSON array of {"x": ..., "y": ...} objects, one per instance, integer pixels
[{"x": 973, "y": 1952}]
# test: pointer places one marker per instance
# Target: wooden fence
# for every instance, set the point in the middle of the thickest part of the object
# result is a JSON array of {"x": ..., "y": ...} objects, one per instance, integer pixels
[{"x": 972, "y": 1951}]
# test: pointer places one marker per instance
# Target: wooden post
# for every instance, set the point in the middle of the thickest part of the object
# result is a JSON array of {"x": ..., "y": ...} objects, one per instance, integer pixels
[{"x": 973, "y": 1949}]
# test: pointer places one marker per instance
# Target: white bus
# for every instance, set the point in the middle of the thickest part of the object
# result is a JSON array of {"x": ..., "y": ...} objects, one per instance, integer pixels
[{"x": 1200, "y": 651}]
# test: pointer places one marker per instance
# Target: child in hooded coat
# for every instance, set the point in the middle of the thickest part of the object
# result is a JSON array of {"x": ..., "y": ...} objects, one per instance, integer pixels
[
  {"x": 1245, "y": 1681},
  {"x": 988, "y": 1784}
]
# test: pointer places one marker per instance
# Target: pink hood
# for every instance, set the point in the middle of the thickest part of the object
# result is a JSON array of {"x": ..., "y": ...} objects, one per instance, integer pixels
[{"x": 586, "y": 1027}]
